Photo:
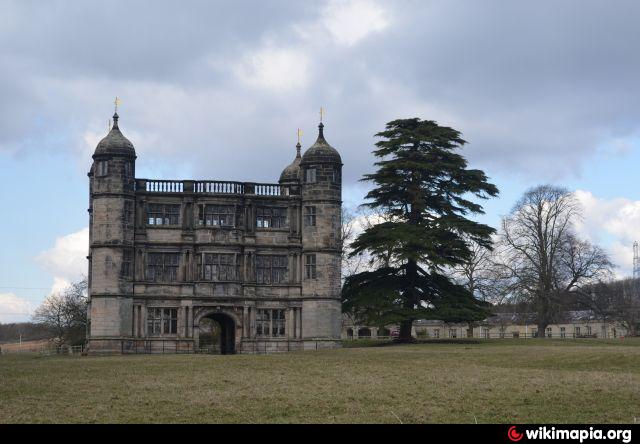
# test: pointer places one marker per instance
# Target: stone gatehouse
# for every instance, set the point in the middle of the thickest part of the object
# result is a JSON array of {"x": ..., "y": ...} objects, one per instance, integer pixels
[{"x": 261, "y": 260}]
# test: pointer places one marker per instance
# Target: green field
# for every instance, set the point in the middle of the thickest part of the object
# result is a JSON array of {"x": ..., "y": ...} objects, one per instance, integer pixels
[{"x": 502, "y": 381}]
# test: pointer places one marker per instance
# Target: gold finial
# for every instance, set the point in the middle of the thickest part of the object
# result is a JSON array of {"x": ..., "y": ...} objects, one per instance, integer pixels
[
  {"x": 117, "y": 102},
  {"x": 321, "y": 113},
  {"x": 299, "y": 134}
]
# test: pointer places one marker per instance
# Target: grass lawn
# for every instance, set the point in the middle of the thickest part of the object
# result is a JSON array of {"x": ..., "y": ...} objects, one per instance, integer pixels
[{"x": 506, "y": 381}]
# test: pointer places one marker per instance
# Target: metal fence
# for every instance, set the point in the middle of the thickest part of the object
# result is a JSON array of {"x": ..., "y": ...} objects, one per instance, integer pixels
[
  {"x": 156, "y": 346},
  {"x": 159, "y": 346}
]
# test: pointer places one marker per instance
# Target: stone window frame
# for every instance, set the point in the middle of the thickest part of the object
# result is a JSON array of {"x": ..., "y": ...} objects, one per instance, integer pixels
[
  {"x": 311, "y": 175},
  {"x": 167, "y": 214},
  {"x": 310, "y": 262},
  {"x": 162, "y": 321},
  {"x": 270, "y": 273},
  {"x": 270, "y": 320},
  {"x": 217, "y": 215},
  {"x": 164, "y": 270},
  {"x": 128, "y": 212},
  {"x": 310, "y": 213},
  {"x": 102, "y": 168},
  {"x": 207, "y": 268},
  {"x": 335, "y": 175},
  {"x": 266, "y": 217},
  {"x": 127, "y": 263}
]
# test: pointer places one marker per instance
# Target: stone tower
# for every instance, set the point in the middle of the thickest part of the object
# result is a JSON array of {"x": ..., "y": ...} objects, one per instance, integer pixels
[
  {"x": 111, "y": 240},
  {"x": 321, "y": 179}
]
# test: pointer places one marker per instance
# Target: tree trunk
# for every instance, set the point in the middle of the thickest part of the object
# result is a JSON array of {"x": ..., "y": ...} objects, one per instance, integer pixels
[
  {"x": 405, "y": 331},
  {"x": 542, "y": 329}
]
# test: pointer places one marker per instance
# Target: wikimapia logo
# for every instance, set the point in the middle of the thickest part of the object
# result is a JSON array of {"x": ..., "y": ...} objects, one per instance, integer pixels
[
  {"x": 514, "y": 435},
  {"x": 580, "y": 435}
]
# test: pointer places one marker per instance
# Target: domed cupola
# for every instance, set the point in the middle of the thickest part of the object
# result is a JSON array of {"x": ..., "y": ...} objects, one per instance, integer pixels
[
  {"x": 292, "y": 172},
  {"x": 321, "y": 151},
  {"x": 115, "y": 143}
]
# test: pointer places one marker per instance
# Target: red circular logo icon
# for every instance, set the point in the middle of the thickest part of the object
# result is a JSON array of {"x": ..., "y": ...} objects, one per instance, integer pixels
[{"x": 513, "y": 434}]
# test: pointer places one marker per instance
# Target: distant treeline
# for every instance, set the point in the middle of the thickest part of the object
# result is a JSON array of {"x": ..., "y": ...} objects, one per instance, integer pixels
[{"x": 30, "y": 332}]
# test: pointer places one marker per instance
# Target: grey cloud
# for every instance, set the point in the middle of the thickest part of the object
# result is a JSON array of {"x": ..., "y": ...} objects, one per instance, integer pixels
[{"x": 524, "y": 82}]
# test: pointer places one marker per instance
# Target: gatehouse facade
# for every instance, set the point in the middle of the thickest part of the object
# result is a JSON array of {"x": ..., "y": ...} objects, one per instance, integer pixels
[{"x": 261, "y": 260}]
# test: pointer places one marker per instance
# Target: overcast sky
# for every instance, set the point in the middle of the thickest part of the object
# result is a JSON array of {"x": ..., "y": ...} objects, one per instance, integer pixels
[{"x": 544, "y": 91}]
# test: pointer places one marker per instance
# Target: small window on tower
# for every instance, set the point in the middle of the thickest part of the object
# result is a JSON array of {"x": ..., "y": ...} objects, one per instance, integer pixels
[
  {"x": 102, "y": 168},
  {"x": 127, "y": 263},
  {"x": 335, "y": 175},
  {"x": 310, "y": 216},
  {"x": 310, "y": 266},
  {"x": 311, "y": 175}
]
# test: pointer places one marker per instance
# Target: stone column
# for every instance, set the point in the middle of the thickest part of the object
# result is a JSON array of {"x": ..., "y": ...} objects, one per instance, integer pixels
[
  {"x": 290, "y": 215},
  {"x": 245, "y": 321},
  {"x": 290, "y": 268},
  {"x": 185, "y": 317},
  {"x": 290, "y": 325},
  {"x": 143, "y": 321},
  {"x": 134, "y": 321},
  {"x": 252, "y": 322}
]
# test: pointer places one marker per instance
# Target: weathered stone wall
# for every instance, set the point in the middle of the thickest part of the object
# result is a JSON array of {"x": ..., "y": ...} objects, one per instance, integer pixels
[{"x": 119, "y": 304}]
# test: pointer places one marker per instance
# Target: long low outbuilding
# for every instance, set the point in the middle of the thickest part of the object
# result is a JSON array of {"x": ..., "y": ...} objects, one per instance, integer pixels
[{"x": 569, "y": 325}]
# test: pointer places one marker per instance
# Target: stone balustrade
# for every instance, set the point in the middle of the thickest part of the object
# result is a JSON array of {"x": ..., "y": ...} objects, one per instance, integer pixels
[{"x": 214, "y": 187}]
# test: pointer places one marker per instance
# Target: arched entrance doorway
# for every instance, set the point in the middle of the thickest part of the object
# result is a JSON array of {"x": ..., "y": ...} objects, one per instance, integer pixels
[{"x": 217, "y": 332}]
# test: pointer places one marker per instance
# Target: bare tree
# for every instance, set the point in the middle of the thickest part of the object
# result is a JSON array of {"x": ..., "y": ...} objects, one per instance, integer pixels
[
  {"x": 617, "y": 300},
  {"x": 625, "y": 305},
  {"x": 65, "y": 313},
  {"x": 540, "y": 255},
  {"x": 350, "y": 226},
  {"x": 481, "y": 274}
]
